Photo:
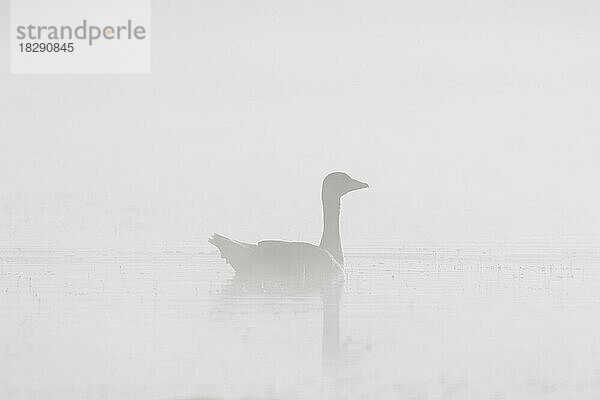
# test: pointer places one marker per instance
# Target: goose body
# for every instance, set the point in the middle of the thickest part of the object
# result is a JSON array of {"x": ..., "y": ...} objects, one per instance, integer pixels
[
  {"x": 276, "y": 258},
  {"x": 283, "y": 259}
]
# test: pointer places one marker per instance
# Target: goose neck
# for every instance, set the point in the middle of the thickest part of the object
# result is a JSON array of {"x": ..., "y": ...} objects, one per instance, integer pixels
[{"x": 330, "y": 240}]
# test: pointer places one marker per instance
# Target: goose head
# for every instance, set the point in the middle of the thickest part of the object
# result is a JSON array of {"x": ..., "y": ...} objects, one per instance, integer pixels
[{"x": 337, "y": 184}]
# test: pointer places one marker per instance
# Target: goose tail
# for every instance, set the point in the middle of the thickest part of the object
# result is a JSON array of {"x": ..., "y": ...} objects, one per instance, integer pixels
[{"x": 235, "y": 253}]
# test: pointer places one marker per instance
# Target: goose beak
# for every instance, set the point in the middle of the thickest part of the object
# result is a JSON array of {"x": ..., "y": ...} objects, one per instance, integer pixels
[{"x": 356, "y": 185}]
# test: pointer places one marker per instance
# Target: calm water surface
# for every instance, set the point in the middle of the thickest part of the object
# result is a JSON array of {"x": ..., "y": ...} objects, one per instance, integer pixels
[{"x": 517, "y": 321}]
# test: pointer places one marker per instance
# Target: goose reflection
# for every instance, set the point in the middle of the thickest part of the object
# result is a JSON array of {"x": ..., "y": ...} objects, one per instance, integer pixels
[
  {"x": 268, "y": 293},
  {"x": 279, "y": 268}
]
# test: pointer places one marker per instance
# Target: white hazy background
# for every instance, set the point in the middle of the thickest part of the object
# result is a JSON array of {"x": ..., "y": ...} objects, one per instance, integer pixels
[
  {"x": 472, "y": 262},
  {"x": 471, "y": 120}
]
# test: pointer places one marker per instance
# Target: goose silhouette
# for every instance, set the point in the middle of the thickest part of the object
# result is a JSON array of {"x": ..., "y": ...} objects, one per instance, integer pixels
[{"x": 293, "y": 260}]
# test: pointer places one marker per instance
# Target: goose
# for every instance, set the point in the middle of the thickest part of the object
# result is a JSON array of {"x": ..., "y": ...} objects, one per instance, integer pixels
[{"x": 281, "y": 259}]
